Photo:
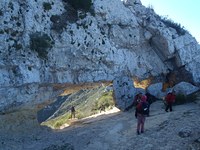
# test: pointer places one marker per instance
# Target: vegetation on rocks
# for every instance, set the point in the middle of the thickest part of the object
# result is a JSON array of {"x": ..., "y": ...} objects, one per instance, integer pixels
[
  {"x": 40, "y": 42},
  {"x": 182, "y": 99},
  {"x": 80, "y": 4},
  {"x": 47, "y": 6},
  {"x": 170, "y": 23},
  {"x": 104, "y": 102},
  {"x": 57, "y": 122}
]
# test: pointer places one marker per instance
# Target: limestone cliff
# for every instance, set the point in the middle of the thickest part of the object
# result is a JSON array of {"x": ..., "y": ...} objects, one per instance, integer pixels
[{"x": 43, "y": 44}]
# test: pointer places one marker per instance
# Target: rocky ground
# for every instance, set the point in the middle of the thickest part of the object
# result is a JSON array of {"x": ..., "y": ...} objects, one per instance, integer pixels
[{"x": 177, "y": 130}]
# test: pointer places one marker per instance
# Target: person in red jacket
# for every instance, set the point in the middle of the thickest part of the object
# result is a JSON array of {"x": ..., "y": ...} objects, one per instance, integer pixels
[
  {"x": 170, "y": 99},
  {"x": 139, "y": 114}
]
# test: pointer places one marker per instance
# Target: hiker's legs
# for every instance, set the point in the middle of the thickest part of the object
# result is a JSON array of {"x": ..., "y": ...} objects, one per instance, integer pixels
[
  {"x": 72, "y": 115},
  {"x": 142, "y": 127},
  {"x": 167, "y": 107},
  {"x": 138, "y": 128},
  {"x": 138, "y": 123},
  {"x": 142, "y": 124},
  {"x": 170, "y": 106}
]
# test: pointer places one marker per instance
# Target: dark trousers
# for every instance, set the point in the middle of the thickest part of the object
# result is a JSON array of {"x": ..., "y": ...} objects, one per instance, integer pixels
[
  {"x": 72, "y": 114},
  {"x": 169, "y": 106}
]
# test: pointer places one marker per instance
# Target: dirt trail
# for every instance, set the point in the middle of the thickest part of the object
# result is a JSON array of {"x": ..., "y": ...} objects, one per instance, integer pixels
[{"x": 168, "y": 131}]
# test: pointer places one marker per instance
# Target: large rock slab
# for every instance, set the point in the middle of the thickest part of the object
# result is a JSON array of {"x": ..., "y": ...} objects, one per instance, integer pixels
[
  {"x": 156, "y": 90},
  {"x": 124, "y": 92},
  {"x": 185, "y": 88}
]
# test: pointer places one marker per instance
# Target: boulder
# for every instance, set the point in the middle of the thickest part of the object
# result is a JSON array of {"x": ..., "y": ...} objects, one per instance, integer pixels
[
  {"x": 156, "y": 90},
  {"x": 185, "y": 88},
  {"x": 124, "y": 92},
  {"x": 140, "y": 90}
]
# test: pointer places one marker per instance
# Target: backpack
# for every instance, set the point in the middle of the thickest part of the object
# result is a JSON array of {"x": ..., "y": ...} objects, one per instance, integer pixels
[{"x": 145, "y": 108}]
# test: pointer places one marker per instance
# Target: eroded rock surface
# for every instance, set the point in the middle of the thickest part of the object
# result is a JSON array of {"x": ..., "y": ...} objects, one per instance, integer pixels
[{"x": 78, "y": 47}]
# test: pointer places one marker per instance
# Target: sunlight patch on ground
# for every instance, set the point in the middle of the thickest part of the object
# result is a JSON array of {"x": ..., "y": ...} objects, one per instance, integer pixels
[
  {"x": 64, "y": 126},
  {"x": 90, "y": 119},
  {"x": 114, "y": 110}
]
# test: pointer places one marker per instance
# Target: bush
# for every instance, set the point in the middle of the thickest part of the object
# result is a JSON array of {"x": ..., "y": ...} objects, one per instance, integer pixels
[
  {"x": 80, "y": 4},
  {"x": 58, "y": 24},
  {"x": 47, "y": 6},
  {"x": 18, "y": 46},
  {"x": 56, "y": 123},
  {"x": 182, "y": 99},
  {"x": 192, "y": 97},
  {"x": 80, "y": 115},
  {"x": 170, "y": 23},
  {"x": 105, "y": 101},
  {"x": 55, "y": 18},
  {"x": 60, "y": 21},
  {"x": 40, "y": 43}
]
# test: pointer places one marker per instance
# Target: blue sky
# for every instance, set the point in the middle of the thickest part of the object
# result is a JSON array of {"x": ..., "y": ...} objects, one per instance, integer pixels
[{"x": 185, "y": 12}]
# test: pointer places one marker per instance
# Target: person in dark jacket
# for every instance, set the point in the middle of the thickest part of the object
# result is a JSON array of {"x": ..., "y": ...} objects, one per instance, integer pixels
[
  {"x": 150, "y": 100},
  {"x": 170, "y": 99},
  {"x": 73, "y": 112}
]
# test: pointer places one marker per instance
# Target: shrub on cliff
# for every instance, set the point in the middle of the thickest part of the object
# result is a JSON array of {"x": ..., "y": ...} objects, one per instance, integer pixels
[
  {"x": 40, "y": 42},
  {"x": 80, "y": 4},
  {"x": 170, "y": 23},
  {"x": 47, "y": 6}
]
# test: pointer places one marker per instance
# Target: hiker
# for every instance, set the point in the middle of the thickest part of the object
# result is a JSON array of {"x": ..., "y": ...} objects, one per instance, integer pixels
[
  {"x": 73, "y": 112},
  {"x": 170, "y": 99},
  {"x": 102, "y": 108},
  {"x": 140, "y": 114}
]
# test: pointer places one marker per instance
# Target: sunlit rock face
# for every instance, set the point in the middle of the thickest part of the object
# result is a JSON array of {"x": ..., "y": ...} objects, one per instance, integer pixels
[{"x": 46, "y": 43}]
